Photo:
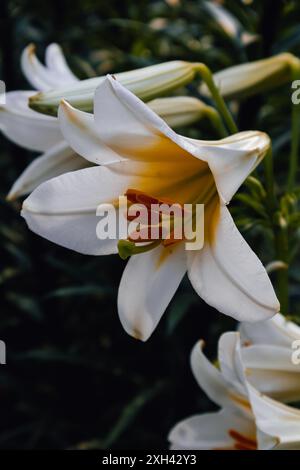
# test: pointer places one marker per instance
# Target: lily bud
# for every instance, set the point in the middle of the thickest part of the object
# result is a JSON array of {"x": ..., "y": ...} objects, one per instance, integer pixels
[
  {"x": 180, "y": 111},
  {"x": 147, "y": 83},
  {"x": 254, "y": 77}
]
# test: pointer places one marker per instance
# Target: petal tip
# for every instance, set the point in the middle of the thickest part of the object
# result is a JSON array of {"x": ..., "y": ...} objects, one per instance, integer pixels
[
  {"x": 11, "y": 196},
  {"x": 30, "y": 50},
  {"x": 67, "y": 111}
]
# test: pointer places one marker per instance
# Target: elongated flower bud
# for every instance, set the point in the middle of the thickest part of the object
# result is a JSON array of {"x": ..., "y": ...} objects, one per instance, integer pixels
[
  {"x": 253, "y": 77},
  {"x": 147, "y": 83},
  {"x": 180, "y": 110}
]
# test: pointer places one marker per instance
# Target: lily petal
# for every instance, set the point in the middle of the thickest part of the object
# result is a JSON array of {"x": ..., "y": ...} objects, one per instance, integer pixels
[
  {"x": 55, "y": 60},
  {"x": 114, "y": 106},
  {"x": 234, "y": 159},
  {"x": 278, "y": 423},
  {"x": 230, "y": 359},
  {"x": 42, "y": 77},
  {"x": 63, "y": 209},
  {"x": 209, "y": 378},
  {"x": 56, "y": 161},
  {"x": 231, "y": 159},
  {"x": 227, "y": 274},
  {"x": 276, "y": 331},
  {"x": 270, "y": 370},
  {"x": 56, "y": 207},
  {"x": 211, "y": 431},
  {"x": 25, "y": 127},
  {"x": 148, "y": 284},
  {"x": 80, "y": 131}
]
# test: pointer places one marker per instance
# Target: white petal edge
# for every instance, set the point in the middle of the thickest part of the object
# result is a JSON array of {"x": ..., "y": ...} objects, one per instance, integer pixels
[
  {"x": 63, "y": 209},
  {"x": 209, "y": 378},
  {"x": 276, "y": 331},
  {"x": 80, "y": 131},
  {"x": 229, "y": 276},
  {"x": 56, "y": 161},
  {"x": 119, "y": 113},
  {"x": 55, "y": 61},
  {"x": 210, "y": 431},
  {"x": 40, "y": 76},
  {"x": 148, "y": 284},
  {"x": 25, "y": 127}
]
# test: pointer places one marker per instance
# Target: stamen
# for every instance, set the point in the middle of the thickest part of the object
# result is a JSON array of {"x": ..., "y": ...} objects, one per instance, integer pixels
[
  {"x": 164, "y": 220},
  {"x": 139, "y": 197},
  {"x": 242, "y": 442},
  {"x": 157, "y": 209}
]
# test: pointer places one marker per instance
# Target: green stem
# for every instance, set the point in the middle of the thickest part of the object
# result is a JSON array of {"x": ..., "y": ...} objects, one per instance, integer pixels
[
  {"x": 207, "y": 77},
  {"x": 269, "y": 177},
  {"x": 282, "y": 254},
  {"x": 216, "y": 122},
  {"x": 280, "y": 232},
  {"x": 295, "y": 138},
  {"x": 127, "y": 248}
]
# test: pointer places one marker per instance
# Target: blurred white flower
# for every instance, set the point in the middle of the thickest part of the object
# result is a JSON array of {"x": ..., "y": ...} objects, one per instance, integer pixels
[
  {"x": 248, "y": 420},
  {"x": 268, "y": 357},
  {"x": 139, "y": 153},
  {"x": 229, "y": 23},
  {"x": 38, "y": 132}
]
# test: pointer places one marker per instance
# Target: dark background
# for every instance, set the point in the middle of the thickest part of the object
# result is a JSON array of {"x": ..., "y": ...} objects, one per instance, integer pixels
[{"x": 73, "y": 377}]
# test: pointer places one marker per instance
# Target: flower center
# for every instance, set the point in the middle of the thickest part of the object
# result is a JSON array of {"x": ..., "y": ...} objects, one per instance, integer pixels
[{"x": 169, "y": 199}]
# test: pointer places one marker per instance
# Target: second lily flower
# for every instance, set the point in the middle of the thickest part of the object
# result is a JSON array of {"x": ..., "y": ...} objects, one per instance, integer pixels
[{"x": 138, "y": 152}]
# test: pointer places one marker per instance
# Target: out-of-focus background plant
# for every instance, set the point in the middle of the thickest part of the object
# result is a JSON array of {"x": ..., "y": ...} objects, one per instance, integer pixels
[{"x": 73, "y": 377}]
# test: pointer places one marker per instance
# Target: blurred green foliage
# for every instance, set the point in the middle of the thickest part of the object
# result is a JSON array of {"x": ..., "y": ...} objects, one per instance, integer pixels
[{"x": 73, "y": 377}]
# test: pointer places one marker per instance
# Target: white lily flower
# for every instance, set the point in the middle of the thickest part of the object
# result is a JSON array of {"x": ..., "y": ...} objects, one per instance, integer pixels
[
  {"x": 248, "y": 420},
  {"x": 138, "y": 152},
  {"x": 253, "y": 77},
  {"x": 17, "y": 121},
  {"x": 34, "y": 131},
  {"x": 268, "y": 357},
  {"x": 39, "y": 132}
]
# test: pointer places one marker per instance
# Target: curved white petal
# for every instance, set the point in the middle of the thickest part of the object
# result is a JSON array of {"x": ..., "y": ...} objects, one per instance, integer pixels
[
  {"x": 271, "y": 370},
  {"x": 56, "y": 62},
  {"x": 148, "y": 284},
  {"x": 209, "y": 378},
  {"x": 63, "y": 209},
  {"x": 231, "y": 163},
  {"x": 227, "y": 274},
  {"x": 58, "y": 160},
  {"x": 211, "y": 431},
  {"x": 25, "y": 127},
  {"x": 277, "y": 384},
  {"x": 130, "y": 127},
  {"x": 279, "y": 424},
  {"x": 80, "y": 131},
  {"x": 44, "y": 77},
  {"x": 126, "y": 124},
  {"x": 231, "y": 364},
  {"x": 269, "y": 357},
  {"x": 276, "y": 331}
]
